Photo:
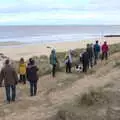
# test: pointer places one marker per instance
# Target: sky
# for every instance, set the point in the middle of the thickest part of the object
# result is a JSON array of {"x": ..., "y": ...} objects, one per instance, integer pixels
[{"x": 59, "y": 12}]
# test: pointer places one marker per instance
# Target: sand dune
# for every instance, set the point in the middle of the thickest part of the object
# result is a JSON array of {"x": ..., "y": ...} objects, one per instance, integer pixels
[{"x": 55, "y": 93}]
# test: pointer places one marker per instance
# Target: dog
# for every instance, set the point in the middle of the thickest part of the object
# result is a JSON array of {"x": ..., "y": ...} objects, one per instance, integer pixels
[{"x": 79, "y": 68}]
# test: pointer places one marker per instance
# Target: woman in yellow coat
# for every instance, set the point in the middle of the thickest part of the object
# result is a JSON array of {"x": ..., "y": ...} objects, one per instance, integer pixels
[{"x": 22, "y": 71}]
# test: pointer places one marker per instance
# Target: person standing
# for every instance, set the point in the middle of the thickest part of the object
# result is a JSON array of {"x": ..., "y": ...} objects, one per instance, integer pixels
[
  {"x": 105, "y": 50},
  {"x": 85, "y": 61},
  {"x": 53, "y": 61},
  {"x": 96, "y": 52},
  {"x": 22, "y": 70},
  {"x": 90, "y": 54},
  {"x": 9, "y": 75},
  {"x": 32, "y": 76},
  {"x": 68, "y": 62}
]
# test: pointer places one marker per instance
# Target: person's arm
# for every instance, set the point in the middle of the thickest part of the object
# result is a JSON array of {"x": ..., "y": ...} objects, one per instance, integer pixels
[
  {"x": 15, "y": 76},
  {"x": 1, "y": 77}
]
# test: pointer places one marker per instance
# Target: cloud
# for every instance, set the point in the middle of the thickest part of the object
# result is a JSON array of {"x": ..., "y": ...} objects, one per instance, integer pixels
[{"x": 59, "y": 11}]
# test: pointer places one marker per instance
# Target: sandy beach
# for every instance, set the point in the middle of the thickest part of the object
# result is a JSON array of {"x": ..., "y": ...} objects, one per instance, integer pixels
[{"x": 29, "y": 50}]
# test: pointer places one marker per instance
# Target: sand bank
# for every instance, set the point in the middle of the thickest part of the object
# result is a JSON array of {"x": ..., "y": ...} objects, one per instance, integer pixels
[{"x": 30, "y": 50}]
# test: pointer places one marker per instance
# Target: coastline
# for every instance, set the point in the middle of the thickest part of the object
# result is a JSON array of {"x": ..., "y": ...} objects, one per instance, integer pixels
[{"x": 29, "y": 50}]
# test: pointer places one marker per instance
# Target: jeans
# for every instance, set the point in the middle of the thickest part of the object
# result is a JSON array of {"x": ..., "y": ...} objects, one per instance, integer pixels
[
  {"x": 33, "y": 88},
  {"x": 53, "y": 70},
  {"x": 23, "y": 78},
  {"x": 96, "y": 57},
  {"x": 9, "y": 89}
]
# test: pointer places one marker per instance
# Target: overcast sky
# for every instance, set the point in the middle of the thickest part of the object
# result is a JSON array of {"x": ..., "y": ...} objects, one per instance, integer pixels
[{"x": 59, "y": 12}]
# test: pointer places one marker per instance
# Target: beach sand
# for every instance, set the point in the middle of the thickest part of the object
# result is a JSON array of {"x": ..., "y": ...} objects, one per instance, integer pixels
[{"x": 30, "y": 50}]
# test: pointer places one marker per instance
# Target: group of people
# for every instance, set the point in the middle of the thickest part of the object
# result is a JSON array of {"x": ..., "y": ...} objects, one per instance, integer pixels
[
  {"x": 11, "y": 79},
  {"x": 29, "y": 72},
  {"x": 92, "y": 54},
  {"x": 88, "y": 57}
]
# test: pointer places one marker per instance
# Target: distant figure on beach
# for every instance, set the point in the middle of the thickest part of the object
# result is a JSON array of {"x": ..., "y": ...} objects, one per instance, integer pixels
[
  {"x": 85, "y": 61},
  {"x": 68, "y": 61},
  {"x": 96, "y": 52},
  {"x": 53, "y": 61},
  {"x": 105, "y": 50},
  {"x": 32, "y": 76},
  {"x": 90, "y": 54},
  {"x": 22, "y": 71},
  {"x": 9, "y": 75}
]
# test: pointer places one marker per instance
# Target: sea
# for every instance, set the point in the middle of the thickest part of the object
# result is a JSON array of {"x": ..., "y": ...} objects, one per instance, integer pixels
[{"x": 45, "y": 34}]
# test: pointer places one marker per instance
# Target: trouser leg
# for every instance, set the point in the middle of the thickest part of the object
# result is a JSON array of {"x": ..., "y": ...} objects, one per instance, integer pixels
[
  {"x": 7, "y": 88},
  {"x": 70, "y": 65},
  {"x": 13, "y": 87},
  {"x": 31, "y": 88},
  {"x": 53, "y": 70},
  {"x": 35, "y": 88},
  {"x": 24, "y": 79}
]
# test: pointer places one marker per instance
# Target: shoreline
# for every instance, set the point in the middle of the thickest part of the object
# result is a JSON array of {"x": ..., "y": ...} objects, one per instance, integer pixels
[{"x": 30, "y": 50}]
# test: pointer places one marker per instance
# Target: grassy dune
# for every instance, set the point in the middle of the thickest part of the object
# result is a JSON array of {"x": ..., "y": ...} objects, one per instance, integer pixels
[
  {"x": 76, "y": 96},
  {"x": 45, "y": 67}
]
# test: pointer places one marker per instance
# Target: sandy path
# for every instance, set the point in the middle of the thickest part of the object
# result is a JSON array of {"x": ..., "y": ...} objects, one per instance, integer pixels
[{"x": 46, "y": 105}]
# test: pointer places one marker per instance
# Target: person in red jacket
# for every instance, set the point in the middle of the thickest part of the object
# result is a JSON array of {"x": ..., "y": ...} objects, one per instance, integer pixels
[{"x": 105, "y": 50}]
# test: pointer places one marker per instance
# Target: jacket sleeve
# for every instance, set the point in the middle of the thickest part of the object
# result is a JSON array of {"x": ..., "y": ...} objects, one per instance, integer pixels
[
  {"x": 1, "y": 77},
  {"x": 15, "y": 76}
]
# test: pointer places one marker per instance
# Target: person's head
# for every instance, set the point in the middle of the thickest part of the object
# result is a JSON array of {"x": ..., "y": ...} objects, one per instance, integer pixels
[
  {"x": 88, "y": 45},
  {"x": 53, "y": 51},
  {"x": 31, "y": 61},
  {"x": 97, "y": 41},
  {"x": 7, "y": 62},
  {"x": 105, "y": 42},
  {"x": 22, "y": 60}
]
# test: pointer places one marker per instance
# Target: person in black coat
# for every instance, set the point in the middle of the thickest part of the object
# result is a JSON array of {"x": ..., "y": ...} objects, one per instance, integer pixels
[
  {"x": 90, "y": 54},
  {"x": 85, "y": 61},
  {"x": 32, "y": 76}
]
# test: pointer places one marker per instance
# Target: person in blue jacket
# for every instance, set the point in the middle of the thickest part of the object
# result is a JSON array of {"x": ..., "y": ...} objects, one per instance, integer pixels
[
  {"x": 96, "y": 52},
  {"x": 53, "y": 61}
]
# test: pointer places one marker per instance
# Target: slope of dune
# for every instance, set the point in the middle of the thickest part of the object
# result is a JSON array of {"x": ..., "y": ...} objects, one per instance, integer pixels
[{"x": 54, "y": 94}]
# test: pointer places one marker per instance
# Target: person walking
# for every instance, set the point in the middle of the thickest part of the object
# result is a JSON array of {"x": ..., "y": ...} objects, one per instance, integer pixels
[
  {"x": 9, "y": 75},
  {"x": 53, "y": 61},
  {"x": 32, "y": 76},
  {"x": 90, "y": 54},
  {"x": 96, "y": 52},
  {"x": 22, "y": 71},
  {"x": 105, "y": 50},
  {"x": 85, "y": 61}
]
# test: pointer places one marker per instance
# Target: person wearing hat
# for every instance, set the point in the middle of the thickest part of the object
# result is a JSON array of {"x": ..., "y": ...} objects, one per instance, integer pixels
[
  {"x": 9, "y": 75},
  {"x": 32, "y": 76}
]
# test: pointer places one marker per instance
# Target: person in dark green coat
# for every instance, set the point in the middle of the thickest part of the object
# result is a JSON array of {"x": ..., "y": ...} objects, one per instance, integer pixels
[{"x": 53, "y": 61}]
